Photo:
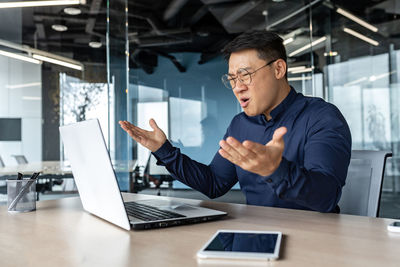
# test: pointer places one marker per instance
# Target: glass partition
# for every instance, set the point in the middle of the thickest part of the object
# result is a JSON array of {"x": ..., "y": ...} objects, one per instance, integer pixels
[
  {"x": 82, "y": 100},
  {"x": 20, "y": 93},
  {"x": 361, "y": 75},
  {"x": 133, "y": 60},
  {"x": 52, "y": 61},
  {"x": 174, "y": 65}
]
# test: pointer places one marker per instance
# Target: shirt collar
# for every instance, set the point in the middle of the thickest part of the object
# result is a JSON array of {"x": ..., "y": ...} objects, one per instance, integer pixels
[{"x": 283, "y": 106}]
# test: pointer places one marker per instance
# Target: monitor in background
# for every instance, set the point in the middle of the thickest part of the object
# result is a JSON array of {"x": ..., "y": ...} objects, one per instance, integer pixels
[{"x": 10, "y": 129}]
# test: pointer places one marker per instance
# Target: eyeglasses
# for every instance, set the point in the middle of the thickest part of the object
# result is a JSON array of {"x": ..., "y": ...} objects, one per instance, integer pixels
[{"x": 242, "y": 74}]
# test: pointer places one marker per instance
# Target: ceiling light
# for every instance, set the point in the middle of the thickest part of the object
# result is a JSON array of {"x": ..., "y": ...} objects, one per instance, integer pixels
[
  {"x": 303, "y": 70},
  {"x": 278, "y": 1},
  {"x": 58, "y": 62},
  {"x": 59, "y": 27},
  {"x": 20, "y": 57},
  {"x": 23, "y": 85},
  {"x": 95, "y": 44},
  {"x": 288, "y": 41},
  {"x": 72, "y": 11},
  {"x": 291, "y": 36},
  {"x": 355, "y": 81},
  {"x": 296, "y": 68},
  {"x": 360, "y": 36},
  {"x": 202, "y": 33},
  {"x": 371, "y": 78},
  {"x": 357, "y": 20},
  {"x": 380, "y": 76},
  {"x": 320, "y": 40},
  {"x": 41, "y": 55},
  {"x": 291, "y": 79},
  {"x": 331, "y": 54},
  {"x": 41, "y": 3},
  {"x": 35, "y": 98}
]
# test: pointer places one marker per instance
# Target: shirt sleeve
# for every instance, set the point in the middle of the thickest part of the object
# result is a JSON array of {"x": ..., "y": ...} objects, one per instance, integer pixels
[
  {"x": 213, "y": 180},
  {"x": 317, "y": 184}
]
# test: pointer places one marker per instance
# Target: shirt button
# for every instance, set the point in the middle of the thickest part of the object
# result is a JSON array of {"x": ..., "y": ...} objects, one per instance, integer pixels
[{"x": 269, "y": 180}]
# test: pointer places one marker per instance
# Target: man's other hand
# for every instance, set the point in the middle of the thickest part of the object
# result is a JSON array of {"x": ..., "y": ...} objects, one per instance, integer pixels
[
  {"x": 254, "y": 157},
  {"x": 151, "y": 140}
]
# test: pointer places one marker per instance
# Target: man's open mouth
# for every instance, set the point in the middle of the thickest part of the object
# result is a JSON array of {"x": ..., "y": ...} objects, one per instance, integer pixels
[{"x": 244, "y": 102}]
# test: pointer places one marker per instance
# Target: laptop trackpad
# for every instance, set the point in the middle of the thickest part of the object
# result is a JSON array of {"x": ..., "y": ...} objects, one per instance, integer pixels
[
  {"x": 182, "y": 207},
  {"x": 167, "y": 205}
]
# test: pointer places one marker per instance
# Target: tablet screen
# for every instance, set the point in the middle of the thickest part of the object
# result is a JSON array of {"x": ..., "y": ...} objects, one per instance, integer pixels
[{"x": 243, "y": 242}]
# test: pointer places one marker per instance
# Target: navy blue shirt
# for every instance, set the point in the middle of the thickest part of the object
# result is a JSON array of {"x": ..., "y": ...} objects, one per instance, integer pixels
[{"x": 314, "y": 165}]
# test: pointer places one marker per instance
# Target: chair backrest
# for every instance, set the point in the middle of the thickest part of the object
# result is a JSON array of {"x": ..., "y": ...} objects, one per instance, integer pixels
[
  {"x": 362, "y": 192},
  {"x": 20, "y": 159},
  {"x": 2, "y": 163},
  {"x": 155, "y": 169}
]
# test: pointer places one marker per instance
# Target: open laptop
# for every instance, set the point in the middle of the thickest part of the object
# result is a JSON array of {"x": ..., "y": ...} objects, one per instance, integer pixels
[{"x": 99, "y": 192}]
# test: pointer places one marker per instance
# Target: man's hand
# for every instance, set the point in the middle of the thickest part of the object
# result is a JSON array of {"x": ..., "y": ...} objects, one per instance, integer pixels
[
  {"x": 151, "y": 140},
  {"x": 254, "y": 157}
]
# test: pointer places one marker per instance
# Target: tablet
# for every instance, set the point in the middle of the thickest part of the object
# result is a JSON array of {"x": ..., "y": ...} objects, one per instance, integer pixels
[{"x": 237, "y": 244}]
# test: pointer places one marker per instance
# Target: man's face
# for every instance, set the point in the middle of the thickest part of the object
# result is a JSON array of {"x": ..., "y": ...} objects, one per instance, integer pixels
[{"x": 261, "y": 95}]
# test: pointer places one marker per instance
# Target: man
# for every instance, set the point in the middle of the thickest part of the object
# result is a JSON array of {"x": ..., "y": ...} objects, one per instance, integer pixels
[{"x": 286, "y": 150}]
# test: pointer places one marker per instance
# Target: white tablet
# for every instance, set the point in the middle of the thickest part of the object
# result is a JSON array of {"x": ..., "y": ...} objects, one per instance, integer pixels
[{"x": 236, "y": 244}]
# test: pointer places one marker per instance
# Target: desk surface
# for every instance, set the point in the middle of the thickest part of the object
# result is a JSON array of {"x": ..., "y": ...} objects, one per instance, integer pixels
[{"x": 60, "y": 234}]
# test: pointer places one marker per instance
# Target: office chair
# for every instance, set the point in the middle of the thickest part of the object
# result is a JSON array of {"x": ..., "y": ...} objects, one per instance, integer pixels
[
  {"x": 158, "y": 174},
  {"x": 362, "y": 192},
  {"x": 143, "y": 175},
  {"x": 21, "y": 159}
]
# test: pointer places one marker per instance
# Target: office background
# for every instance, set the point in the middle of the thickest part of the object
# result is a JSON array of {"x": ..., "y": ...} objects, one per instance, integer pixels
[{"x": 131, "y": 60}]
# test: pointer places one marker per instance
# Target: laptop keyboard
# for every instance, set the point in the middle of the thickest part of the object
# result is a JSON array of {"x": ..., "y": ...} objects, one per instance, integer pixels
[{"x": 149, "y": 213}]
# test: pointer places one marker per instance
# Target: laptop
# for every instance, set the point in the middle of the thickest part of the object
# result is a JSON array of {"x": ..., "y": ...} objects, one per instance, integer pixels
[{"x": 99, "y": 191}]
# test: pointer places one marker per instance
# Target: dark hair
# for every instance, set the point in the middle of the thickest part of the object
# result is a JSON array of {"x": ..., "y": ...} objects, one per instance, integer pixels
[{"x": 269, "y": 45}]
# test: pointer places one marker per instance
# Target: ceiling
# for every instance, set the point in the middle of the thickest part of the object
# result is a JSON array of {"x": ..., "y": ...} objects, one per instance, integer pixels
[{"x": 159, "y": 27}]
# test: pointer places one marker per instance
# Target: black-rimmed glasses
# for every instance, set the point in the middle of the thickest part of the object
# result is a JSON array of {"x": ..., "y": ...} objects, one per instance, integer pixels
[{"x": 242, "y": 74}]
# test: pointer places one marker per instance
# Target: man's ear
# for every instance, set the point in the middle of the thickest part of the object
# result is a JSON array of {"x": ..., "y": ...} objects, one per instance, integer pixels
[{"x": 280, "y": 69}]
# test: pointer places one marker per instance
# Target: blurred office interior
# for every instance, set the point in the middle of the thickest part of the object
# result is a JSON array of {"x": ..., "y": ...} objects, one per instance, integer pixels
[{"x": 134, "y": 60}]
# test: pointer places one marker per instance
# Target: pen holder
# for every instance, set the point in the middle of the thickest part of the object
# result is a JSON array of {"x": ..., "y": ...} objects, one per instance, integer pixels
[{"x": 21, "y": 195}]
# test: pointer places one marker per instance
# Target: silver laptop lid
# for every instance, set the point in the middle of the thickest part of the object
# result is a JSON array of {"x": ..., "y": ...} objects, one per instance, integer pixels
[{"x": 91, "y": 165}]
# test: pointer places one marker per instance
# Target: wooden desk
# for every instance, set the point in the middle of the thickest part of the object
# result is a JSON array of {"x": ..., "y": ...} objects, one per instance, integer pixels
[{"x": 60, "y": 234}]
